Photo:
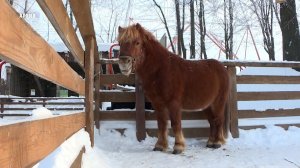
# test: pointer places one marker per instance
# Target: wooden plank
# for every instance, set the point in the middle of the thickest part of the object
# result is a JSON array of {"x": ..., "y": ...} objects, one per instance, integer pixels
[
  {"x": 117, "y": 96},
  {"x": 89, "y": 86},
  {"x": 82, "y": 12},
  {"x": 58, "y": 16},
  {"x": 14, "y": 115},
  {"x": 77, "y": 162},
  {"x": 109, "y": 61},
  {"x": 268, "y": 113},
  {"x": 252, "y": 127},
  {"x": 97, "y": 90},
  {"x": 232, "y": 104},
  {"x": 264, "y": 79},
  {"x": 279, "y": 95},
  {"x": 187, "y": 132},
  {"x": 117, "y": 115},
  {"x": 124, "y": 115},
  {"x": 24, "y": 144},
  {"x": 284, "y": 126},
  {"x": 140, "y": 110},
  {"x": 117, "y": 79},
  {"x": 197, "y": 115},
  {"x": 288, "y": 64},
  {"x": 44, "y": 103},
  {"x": 49, "y": 108},
  {"x": 23, "y": 47}
]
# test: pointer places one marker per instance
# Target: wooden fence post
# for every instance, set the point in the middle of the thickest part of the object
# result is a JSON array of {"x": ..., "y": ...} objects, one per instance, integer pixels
[
  {"x": 97, "y": 88},
  {"x": 89, "y": 86},
  {"x": 232, "y": 103},
  {"x": 44, "y": 102},
  {"x": 140, "y": 110},
  {"x": 2, "y": 108}
]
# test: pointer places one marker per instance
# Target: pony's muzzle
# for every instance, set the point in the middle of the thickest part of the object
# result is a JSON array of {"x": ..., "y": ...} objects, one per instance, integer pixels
[{"x": 125, "y": 64}]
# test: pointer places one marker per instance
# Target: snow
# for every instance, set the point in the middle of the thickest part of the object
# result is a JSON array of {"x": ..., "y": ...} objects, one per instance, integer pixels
[
  {"x": 40, "y": 113},
  {"x": 271, "y": 147}
]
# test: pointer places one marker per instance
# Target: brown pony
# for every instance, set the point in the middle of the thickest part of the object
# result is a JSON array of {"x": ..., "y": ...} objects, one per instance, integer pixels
[{"x": 173, "y": 84}]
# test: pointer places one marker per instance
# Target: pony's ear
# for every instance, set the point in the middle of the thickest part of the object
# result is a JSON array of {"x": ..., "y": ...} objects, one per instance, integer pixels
[
  {"x": 138, "y": 26},
  {"x": 120, "y": 29}
]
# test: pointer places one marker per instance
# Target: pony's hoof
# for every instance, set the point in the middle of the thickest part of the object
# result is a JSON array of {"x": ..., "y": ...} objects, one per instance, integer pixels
[
  {"x": 158, "y": 149},
  {"x": 214, "y": 146},
  {"x": 176, "y": 151}
]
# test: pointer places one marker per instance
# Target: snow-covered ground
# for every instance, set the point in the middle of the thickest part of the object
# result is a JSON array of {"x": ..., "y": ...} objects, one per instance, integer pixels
[{"x": 273, "y": 147}]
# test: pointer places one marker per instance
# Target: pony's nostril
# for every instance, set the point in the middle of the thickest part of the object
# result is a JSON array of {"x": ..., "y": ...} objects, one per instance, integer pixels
[{"x": 128, "y": 60}]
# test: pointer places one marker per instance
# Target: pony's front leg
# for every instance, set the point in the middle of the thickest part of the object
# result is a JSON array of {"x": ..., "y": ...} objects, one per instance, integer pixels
[
  {"x": 175, "y": 116},
  {"x": 162, "y": 121}
]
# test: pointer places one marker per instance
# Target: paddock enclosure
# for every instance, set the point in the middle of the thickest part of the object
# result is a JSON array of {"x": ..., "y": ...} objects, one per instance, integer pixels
[{"x": 26, "y": 143}]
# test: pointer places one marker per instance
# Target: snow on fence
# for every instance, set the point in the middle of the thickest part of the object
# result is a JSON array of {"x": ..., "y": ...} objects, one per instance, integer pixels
[
  {"x": 26, "y": 143},
  {"x": 192, "y": 126}
]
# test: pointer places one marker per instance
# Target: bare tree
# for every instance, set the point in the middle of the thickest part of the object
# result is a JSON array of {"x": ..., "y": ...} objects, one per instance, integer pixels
[
  {"x": 290, "y": 31},
  {"x": 228, "y": 28},
  {"x": 192, "y": 14},
  {"x": 263, "y": 10},
  {"x": 166, "y": 25},
  {"x": 202, "y": 30},
  {"x": 180, "y": 28},
  {"x": 182, "y": 31}
]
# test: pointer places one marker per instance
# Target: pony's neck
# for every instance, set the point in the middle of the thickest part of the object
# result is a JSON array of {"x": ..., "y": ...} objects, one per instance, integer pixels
[{"x": 155, "y": 57}]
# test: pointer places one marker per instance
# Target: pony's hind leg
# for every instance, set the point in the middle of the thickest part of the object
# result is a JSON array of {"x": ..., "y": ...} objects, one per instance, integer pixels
[
  {"x": 162, "y": 121},
  {"x": 175, "y": 116},
  {"x": 216, "y": 120}
]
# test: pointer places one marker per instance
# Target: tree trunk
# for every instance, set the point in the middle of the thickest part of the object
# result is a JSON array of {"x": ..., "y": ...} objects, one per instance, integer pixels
[
  {"x": 182, "y": 31},
  {"x": 166, "y": 25},
  {"x": 228, "y": 29},
  {"x": 202, "y": 30},
  {"x": 231, "y": 29},
  {"x": 192, "y": 46},
  {"x": 290, "y": 31},
  {"x": 178, "y": 27},
  {"x": 263, "y": 10}
]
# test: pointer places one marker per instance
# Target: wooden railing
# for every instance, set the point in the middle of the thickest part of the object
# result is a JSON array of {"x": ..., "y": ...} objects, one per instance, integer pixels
[
  {"x": 24, "y": 144},
  {"x": 233, "y": 113},
  {"x": 14, "y": 106},
  {"x": 236, "y": 96}
]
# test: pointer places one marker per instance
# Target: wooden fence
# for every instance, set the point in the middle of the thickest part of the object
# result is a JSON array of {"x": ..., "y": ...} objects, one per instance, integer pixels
[
  {"x": 233, "y": 113},
  {"x": 24, "y": 144},
  {"x": 22, "y": 106},
  {"x": 236, "y": 96}
]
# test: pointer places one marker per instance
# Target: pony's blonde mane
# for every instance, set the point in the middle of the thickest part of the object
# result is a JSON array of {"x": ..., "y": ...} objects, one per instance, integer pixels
[{"x": 134, "y": 32}]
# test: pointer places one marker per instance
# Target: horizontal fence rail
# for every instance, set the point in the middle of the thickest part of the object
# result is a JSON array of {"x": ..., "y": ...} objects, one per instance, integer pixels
[
  {"x": 24, "y": 144},
  {"x": 15, "y": 105}
]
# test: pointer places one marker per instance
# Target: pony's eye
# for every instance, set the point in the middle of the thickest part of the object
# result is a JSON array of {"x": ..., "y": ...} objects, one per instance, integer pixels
[{"x": 137, "y": 43}]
